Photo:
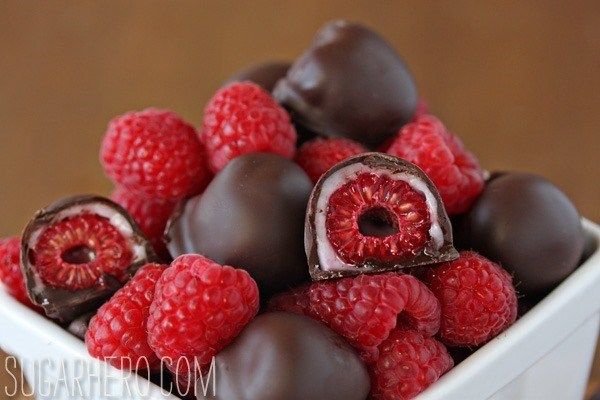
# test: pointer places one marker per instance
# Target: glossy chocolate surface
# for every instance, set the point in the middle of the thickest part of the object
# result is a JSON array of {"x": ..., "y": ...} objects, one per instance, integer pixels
[
  {"x": 527, "y": 225},
  {"x": 251, "y": 216},
  {"x": 282, "y": 356},
  {"x": 66, "y": 305},
  {"x": 264, "y": 74},
  {"x": 589, "y": 248},
  {"x": 393, "y": 166},
  {"x": 350, "y": 82}
]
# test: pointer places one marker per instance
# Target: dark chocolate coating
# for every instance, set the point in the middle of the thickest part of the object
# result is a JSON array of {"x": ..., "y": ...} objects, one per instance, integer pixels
[
  {"x": 251, "y": 216},
  {"x": 350, "y": 82},
  {"x": 264, "y": 75},
  {"x": 589, "y": 248},
  {"x": 529, "y": 226},
  {"x": 79, "y": 326},
  {"x": 65, "y": 305},
  {"x": 282, "y": 356},
  {"x": 392, "y": 165}
]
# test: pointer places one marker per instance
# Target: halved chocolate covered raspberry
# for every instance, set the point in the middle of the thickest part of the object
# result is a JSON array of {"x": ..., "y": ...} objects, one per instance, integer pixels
[
  {"x": 375, "y": 213},
  {"x": 77, "y": 252}
]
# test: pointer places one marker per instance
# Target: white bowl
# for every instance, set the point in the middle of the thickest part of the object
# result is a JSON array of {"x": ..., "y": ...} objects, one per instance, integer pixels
[{"x": 547, "y": 354}]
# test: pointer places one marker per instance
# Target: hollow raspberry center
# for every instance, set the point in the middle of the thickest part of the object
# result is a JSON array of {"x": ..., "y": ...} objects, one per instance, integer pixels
[
  {"x": 376, "y": 218},
  {"x": 78, "y": 255},
  {"x": 76, "y": 252},
  {"x": 377, "y": 222}
]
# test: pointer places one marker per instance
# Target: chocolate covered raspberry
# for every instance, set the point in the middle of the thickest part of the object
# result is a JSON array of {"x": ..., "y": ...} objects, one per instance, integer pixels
[
  {"x": 77, "y": 252},
  {"x": 375, "y": 213}
]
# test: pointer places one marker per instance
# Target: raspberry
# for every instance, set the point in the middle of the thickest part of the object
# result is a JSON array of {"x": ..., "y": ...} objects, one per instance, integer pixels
[
  {"x": 242, "y": 118},
  {"x": 151, "y": 215},
  {"x": 408, "y": 362},
  {"x": 85, "y": 244},
  {"x": 377, "y": 226},
  {"x": 10, "y": 270},
  {"x": 364, "y": 309},
  {"x": 75, "y": 252},
  {"x": 454, "y": 170},
  {"x": 199, "y": 307},
  {"x": 318, "y": 155},
  {"x": 477, "y": 297},
  {"x": 375, "y": 213},
  {"x": 154, "y": 153},
  {"x": 117, "y": 333}
]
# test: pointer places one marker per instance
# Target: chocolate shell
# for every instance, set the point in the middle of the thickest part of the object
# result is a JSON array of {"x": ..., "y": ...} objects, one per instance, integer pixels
[
  {"x": 264, "y": 75},
  {"x": 350, "y": 82},
  {"x": 589, "y": 248},
  {"x": 250, "y": 216},
  {"x": 529, "y": 226},
  {"x": 285, "y": 356},
  {"x": 64, "y": 304},
  {"x": 378, "y": 218}
]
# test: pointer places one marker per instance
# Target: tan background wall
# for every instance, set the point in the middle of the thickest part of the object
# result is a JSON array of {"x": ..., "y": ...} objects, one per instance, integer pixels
[{"x": 519, "y": 81}]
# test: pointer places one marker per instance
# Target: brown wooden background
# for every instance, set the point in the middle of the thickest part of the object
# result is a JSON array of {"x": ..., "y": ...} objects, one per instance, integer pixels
[{"x": 518, "y": 80}]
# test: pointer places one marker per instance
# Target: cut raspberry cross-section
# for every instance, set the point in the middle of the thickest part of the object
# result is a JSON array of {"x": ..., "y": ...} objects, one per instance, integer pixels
[
  {"x": 374, "y": 213},
  {"x": 75, "y": 252},
  {"x": 377, "y": 218}
]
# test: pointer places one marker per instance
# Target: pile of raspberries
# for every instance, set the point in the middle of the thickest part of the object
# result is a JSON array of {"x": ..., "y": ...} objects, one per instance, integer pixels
[{"x": 403, "y": 326}]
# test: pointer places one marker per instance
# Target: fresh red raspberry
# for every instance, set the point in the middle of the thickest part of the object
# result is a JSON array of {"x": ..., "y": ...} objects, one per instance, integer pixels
[
  {"x": 154, "y": 153},
  {"x": 364, "y": 309},
  {"x": 453, "y": 169},
  {"x": 199, "y": 307},
  {"x": 10, "y": 270},
  {"x": 408, "y": 363},
  {"x": 242, "y": 118},
  {"x": 478, "y": 299},
  {"x": 318, "y": 155},
  {"x": 76, "y": 252},
  {"x": 118, "y": 333},
  {"x": 150, "y": 214}
]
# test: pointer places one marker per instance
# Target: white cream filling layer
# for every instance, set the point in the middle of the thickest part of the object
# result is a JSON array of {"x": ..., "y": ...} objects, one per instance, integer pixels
[{"x": 329, "y": 259}]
